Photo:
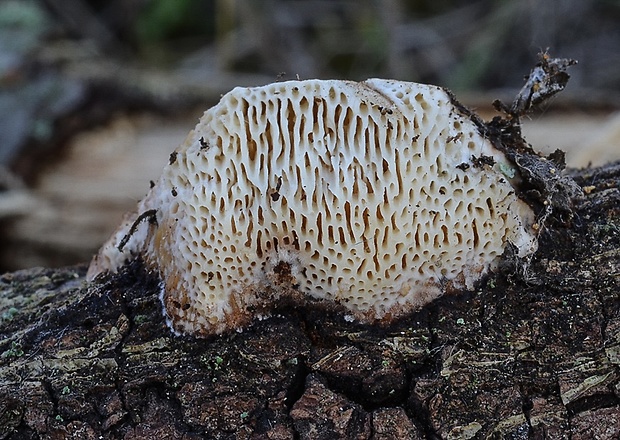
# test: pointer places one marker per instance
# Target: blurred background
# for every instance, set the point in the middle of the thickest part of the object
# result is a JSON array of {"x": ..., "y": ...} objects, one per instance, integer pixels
[{"x": 95, "y": 94}]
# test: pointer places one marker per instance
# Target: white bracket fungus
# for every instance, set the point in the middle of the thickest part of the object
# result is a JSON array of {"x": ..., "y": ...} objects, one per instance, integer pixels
[{"x": 379, "y": 196}]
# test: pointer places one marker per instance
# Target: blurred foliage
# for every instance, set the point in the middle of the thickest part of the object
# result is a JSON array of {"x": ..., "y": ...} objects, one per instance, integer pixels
[
  {"x": 29, "y": 100},
  {"x": 24, "y": 13},
  {"x": 164, "y": 20},
  {"x": 462, "y": 44},
  {"x": 21, "y": 26},
  {"x": 430, "y": 8}
]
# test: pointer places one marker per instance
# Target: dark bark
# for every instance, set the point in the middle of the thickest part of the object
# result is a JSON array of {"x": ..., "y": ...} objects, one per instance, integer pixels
[{"x": 534, "y": 352}]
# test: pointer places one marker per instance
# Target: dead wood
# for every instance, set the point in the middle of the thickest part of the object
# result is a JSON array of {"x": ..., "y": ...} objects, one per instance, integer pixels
[
  {"x": 529, "y": 355},
  {"x": 533, "y": 352}
]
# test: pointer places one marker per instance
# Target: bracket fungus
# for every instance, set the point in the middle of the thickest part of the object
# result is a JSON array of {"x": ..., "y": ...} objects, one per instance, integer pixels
[{"x": 379, "y": 196}]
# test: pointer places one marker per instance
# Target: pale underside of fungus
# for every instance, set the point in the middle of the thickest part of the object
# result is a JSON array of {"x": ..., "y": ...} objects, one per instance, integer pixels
[{"x": 379, "y": 196}]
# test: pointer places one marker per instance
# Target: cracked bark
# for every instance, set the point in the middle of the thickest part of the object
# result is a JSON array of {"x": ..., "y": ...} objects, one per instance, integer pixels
[
  {"x": 535, "y": 355},
  {"x": 533, "y": 352}
]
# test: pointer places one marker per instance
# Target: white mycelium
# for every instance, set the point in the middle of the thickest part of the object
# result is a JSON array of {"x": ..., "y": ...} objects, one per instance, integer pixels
[{"x": 380, "y": 196}]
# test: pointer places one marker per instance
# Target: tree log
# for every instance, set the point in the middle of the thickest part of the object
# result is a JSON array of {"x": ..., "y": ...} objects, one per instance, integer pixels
[{"x": 531, "y": 353}]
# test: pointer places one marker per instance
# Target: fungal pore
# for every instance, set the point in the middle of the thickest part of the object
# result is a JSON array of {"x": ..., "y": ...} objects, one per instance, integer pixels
[{"x": 379, "y": 196}]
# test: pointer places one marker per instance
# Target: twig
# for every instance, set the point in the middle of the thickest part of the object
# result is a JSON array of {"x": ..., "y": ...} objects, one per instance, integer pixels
[
  {"x": 150, "y": 215},
  {"x": 545, "y": 80}
]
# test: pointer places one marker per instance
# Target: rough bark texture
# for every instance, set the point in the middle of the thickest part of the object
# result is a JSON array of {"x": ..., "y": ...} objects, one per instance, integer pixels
[{"x": 534, "y": 352}]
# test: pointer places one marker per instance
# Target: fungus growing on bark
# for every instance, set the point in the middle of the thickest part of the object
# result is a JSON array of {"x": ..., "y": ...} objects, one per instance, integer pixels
[{"x": 379, "y": 196}]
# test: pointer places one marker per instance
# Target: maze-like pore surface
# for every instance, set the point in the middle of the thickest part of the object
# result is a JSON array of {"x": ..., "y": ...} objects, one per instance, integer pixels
[{"x": 378, "y": 195}]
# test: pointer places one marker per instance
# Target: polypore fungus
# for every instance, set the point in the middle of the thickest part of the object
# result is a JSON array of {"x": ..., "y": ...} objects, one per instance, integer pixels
[{"x": 379, "y": 196}]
